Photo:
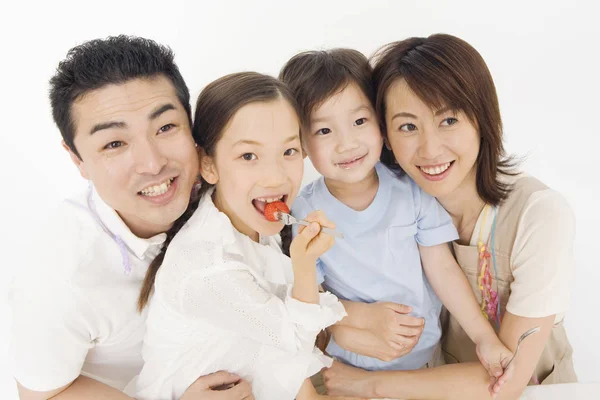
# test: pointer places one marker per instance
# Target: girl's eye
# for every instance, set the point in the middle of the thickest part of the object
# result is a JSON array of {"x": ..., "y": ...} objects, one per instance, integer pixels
[
  {"x": 449, "y": 121},
  {"x": 166, "y": 128},
  {"x": 360, "y": 121},
  {"x": 323, "y": 131},
  {"x": 113, "y": 145},
  {"x": 249, "y": 156},
  {"x": 408, "y": 127},
  {"x": 290, "y": 152}
]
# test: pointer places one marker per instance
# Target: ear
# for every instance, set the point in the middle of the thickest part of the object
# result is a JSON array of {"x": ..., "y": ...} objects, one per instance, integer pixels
[
  {"x": 77, "y": 161},
  {"x": 208, "y": 169}
]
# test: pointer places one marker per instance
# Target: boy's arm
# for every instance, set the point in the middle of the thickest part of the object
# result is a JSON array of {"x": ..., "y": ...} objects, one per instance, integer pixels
[
  {"x": 383, "y": 330},
  {"x": 451, "y": 286}
]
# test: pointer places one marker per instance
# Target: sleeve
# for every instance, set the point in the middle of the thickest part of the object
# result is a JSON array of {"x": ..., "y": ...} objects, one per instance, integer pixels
[
  {"x": 50, "y": 339},
  {"x": 543, "y": 259},
  {"x": 434, "y": 225},
  {"x": 230, "y": 297},
  {"x": 51, "y": 320}
]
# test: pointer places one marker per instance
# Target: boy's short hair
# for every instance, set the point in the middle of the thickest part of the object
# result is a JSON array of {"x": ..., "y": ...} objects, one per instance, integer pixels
[{"x": 314, "y": 76}]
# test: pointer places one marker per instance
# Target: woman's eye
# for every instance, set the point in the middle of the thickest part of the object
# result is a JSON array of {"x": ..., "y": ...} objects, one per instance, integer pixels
[
  {"x": 323, "y": 131},
  {"x": 113, "y": 145},
  {"x": 290, "y": 152},
  {"x": 449, "y": 121},
  {"x": 408, "y": 127},
  {"x": 166, "y": 128},
  {"x": 360, "y": 121},
  {"x": 249, "y": 156}
]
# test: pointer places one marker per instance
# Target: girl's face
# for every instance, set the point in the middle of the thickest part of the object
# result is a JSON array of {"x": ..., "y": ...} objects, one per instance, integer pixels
[
  {"x": 257, "y": 160},
  {"x": 438, "y": 149}
]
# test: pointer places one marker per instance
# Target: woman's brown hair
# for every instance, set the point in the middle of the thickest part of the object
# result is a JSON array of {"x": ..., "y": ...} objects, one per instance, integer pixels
[
  {"x": 445, "y": 71},
  {"x": 215, "y": 107}
]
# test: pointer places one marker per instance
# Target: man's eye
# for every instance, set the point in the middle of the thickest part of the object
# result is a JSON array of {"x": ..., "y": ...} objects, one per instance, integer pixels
[
  {"x": 249, "y": 156},
  {"x": 113, "y": 145},
  {"x": 323, "y": 131},
  {"x": 166, "y": 128},
  {"x": 290, "y": 152},
  {"x": 360, "y": 121}
]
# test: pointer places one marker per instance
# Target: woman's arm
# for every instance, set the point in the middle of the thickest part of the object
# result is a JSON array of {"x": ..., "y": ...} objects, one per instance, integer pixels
[{"x": 465, "y": 381}]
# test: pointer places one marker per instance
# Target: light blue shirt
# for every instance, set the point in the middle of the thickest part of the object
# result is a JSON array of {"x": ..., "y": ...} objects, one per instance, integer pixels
[{"x": 378, "y": 259}]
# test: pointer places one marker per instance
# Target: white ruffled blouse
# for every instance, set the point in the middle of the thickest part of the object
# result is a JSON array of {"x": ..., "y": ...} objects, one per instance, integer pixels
[{"x": 223, "y": 302}]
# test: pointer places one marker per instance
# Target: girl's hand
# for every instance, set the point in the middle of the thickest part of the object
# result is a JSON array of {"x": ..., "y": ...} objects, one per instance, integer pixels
[{"x": 311, "y": 243}]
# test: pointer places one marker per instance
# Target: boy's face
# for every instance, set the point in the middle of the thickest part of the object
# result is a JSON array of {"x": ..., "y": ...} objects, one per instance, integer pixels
[
  {"x": 136, "y": 147},
  {"x": 343, "y": 140}
]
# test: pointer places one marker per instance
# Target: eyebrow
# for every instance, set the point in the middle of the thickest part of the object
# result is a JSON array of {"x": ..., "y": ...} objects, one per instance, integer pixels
[
  {"x": 255, "y": 143},
  {"x": 404, "y": 114},
  {"x": 409, "y": 115},
  {"x": 354, "y": 110},
  {"x": 120, "y": 124}
]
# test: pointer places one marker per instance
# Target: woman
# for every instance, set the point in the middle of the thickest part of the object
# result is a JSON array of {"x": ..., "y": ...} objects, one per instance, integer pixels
[{"x": 439, "y": 111}]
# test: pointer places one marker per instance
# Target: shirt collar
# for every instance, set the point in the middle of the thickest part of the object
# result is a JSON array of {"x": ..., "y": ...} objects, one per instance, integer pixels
[{"x": 115, "y": 225}]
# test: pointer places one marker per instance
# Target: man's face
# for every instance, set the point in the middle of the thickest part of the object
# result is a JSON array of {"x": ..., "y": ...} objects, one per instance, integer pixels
[{"x": 136, "y": 147}]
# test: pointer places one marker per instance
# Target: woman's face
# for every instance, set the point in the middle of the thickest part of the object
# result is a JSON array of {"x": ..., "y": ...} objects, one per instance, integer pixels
[{"x": 437, "y": 148}]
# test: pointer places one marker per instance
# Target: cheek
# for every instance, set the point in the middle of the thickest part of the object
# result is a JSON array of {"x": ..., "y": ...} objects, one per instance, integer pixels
[{"x": 402, "y": 150}]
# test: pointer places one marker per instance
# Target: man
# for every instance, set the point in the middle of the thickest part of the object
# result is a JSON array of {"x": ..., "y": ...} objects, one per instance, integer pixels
[{"x": 123, "y": 110}]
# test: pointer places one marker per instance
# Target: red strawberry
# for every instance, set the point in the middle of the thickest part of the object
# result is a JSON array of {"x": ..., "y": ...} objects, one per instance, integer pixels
[{"x": 272, "y": 209}]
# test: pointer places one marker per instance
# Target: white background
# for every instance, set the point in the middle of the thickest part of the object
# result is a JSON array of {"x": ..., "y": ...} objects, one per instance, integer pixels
[{"x": 543, "y": 56}]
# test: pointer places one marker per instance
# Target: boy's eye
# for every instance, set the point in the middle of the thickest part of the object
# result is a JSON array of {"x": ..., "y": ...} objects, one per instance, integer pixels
[
  {"x": 408, "y": 127},
  {"x": 290, "y": 152},
  {"x": 449, "y": 121},
  {"x": 113, "y": 145},
  {"x": 360, "y": 121},
  {"x": 249, "y": 156},
  {"x": 323, "y": 131},
  {"x": 166, "y": 128}
]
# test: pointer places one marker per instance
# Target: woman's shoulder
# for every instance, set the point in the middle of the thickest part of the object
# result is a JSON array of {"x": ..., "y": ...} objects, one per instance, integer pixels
[
  {"x": 533, "y": 208},
  {"x": 531, "y": 195}
]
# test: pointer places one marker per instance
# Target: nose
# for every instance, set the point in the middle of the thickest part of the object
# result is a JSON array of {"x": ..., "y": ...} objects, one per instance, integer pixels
[
  {"x": 430, "y": 146},
  {"x": 273, "y": 174},
  {"x": 148, "y": 158},
  {"x": 346, "y": 141}
]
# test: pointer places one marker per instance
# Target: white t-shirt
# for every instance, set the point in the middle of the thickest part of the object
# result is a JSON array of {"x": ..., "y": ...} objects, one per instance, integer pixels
[
  {"x": 74, "y": 298},
  {"x": 222, "y": 302},
  {"x": 542, "y": 258}
]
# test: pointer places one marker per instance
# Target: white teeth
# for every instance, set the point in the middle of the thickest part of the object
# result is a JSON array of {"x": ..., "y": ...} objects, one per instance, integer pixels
[
  {"x": 157, "y": 190},
  {"x": 435, "y": 170},
  {"x": 269, "y": 199}
]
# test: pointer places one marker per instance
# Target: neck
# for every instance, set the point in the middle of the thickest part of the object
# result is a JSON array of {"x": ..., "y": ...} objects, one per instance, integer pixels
[
  {"x": 143, "y": 231},
  {"x": 358, "y": 195},
  {"x": 464, "y": 206},
  {"x": 235, "y": 221}
]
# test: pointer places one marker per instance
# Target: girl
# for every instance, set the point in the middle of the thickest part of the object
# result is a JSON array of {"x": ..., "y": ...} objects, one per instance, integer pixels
[
  {"x": 223, "y": 298},
  {"x": 438, "y": 104}
]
